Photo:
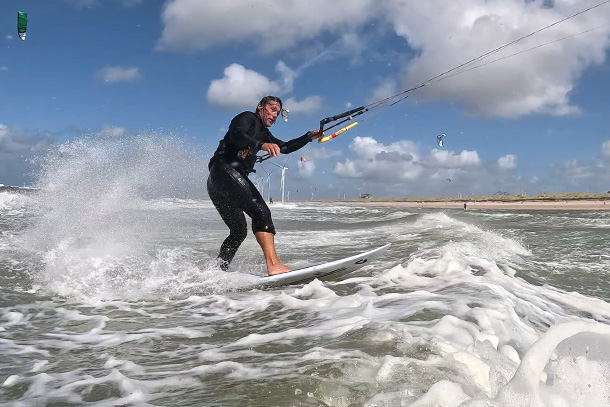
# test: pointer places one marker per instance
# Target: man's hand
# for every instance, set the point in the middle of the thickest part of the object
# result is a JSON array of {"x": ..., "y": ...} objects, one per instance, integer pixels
[
  {"x": 315, "y": 134},
  {"x": 271, "y": 148}
]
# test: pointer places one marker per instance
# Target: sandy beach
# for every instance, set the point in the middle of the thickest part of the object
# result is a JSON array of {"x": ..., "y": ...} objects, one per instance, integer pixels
[{"x": 582, "y": 205}]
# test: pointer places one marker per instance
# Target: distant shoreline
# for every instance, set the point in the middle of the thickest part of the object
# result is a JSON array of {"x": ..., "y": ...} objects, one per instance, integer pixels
[
  {"x": 559, "y": 201},
  {"x": 10, "y": 188},
  {"x": 582, "y": 205}
]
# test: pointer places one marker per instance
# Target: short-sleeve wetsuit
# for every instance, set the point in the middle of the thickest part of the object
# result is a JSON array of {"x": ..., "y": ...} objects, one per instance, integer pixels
[{"x": 229, "y": 187}]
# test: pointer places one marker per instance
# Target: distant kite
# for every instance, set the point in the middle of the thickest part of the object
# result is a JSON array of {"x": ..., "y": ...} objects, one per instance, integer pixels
[
  {"x": 439, "y": 139},
  {"x": 303, "y": 159},
  {"x": 449, "y": 179},
  {"x": 22, "y": 24}
]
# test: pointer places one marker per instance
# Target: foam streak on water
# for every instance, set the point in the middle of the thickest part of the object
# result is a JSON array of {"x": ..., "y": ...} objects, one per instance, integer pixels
[{"x": 113, "y": 298}]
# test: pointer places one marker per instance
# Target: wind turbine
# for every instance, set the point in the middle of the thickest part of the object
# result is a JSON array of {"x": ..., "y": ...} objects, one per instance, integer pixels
[
  {"x": 257, "y": 184},
  {"x": 268, "y": 187},
  {"x": 268, "y": 184},
  {"x": 282, "y": 180}
]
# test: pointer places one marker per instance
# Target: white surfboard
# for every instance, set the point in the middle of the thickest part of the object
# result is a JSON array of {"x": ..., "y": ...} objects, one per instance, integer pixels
[{"x": 324, "y": 271}]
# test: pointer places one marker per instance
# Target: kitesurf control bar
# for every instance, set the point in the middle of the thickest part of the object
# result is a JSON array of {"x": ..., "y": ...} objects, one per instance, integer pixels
[
  {"x": 261, "y": 158},
  {"x": 352, "y": 113},
  {"x": 349, "y": 115}
]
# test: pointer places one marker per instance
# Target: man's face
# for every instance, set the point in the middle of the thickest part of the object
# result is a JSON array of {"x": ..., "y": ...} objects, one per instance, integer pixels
[{"x": 269, "y": 113}]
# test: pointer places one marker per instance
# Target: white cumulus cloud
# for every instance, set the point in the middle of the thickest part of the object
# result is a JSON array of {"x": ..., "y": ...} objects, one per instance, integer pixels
[
  {"x": 14, "y": 141},
  {"x": 573, "y": 170},
  {"x": 242, "y": 88},
  {"x": 448, "y": 159},
  {"x": 83, "y": 3},
  {"x": 306, "y": 169},
  {"x": 310, "y": 104},
  {"x": 534, "y": 82},
  {"x": 91, "y": 3},
  {"x": 110, "y": 131},
  {"x": 440, "y": 34},
  {"x": 118, "y": 74},
  {"x": 271, "y": 25},
  {"x": 606, "y": 149},
  {"x": 508, "y": 162},
  {"x": 17, "y": 147},
  {"x": 377, "y": 161},
  {"x": 400, "y": 168}
]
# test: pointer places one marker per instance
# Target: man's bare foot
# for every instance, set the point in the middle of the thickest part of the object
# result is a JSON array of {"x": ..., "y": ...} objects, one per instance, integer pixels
[{"x": 277, "y": 269}]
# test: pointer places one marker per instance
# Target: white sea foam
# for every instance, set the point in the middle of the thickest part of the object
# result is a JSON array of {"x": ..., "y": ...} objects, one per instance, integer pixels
[
  {"x": 12, "y": 204},
  {"x": 105, "y": 212},
  {"x": 144, "y": 316},
  {"x": 179, "y": 204}
]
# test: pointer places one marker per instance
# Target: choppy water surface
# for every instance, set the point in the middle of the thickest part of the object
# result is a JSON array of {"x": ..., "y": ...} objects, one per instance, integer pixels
[{"x": 112, "y": 298}]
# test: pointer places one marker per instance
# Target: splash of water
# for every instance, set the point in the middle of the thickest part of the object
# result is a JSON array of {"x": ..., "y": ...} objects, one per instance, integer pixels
[{"x": 98, "y": 229}]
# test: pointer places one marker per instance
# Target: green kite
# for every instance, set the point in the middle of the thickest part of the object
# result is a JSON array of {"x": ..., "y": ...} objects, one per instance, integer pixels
[{"x": 22, "y": 24}]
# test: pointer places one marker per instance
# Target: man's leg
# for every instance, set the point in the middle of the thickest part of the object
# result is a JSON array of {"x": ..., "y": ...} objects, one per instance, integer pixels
[
  {"x": 267, "y": 243},
  {"x": 230, "y": 213},
  {"x": 238, "y": 230},
  {"x": 232, "y": 194}
]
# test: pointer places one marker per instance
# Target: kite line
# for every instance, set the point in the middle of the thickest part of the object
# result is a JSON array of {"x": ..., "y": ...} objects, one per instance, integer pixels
[
  {"x": 398, "y": 97},
  {"x": 387, "y": 102}
]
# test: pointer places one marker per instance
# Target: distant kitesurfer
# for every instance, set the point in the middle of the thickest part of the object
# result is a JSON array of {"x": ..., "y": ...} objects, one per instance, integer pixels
[{"x": 233, "y": 194}]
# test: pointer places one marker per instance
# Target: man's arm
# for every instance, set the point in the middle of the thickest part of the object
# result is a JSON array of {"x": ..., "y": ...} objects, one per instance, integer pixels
[
  {"x": 240, "y": 129},
  {"x": 297, "y": 143}
]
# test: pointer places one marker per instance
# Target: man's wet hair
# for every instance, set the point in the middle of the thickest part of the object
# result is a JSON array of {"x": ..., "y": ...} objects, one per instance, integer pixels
[{"x": 268, "y": 99}]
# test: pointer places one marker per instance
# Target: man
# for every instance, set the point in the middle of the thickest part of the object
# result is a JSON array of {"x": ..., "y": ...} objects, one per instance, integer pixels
[{"x": 231, "y": 190}]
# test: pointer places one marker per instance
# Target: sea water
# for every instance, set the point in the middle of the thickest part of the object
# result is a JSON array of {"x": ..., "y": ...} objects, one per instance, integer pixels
[{"x": 110, "y": 296}]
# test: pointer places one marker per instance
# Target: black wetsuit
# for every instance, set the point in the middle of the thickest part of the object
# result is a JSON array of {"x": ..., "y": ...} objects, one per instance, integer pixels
[{"x": 229, "y": 187}]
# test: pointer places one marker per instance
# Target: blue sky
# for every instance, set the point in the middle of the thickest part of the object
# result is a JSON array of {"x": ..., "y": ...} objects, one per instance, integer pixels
[{"x": 533, "y": 122}]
